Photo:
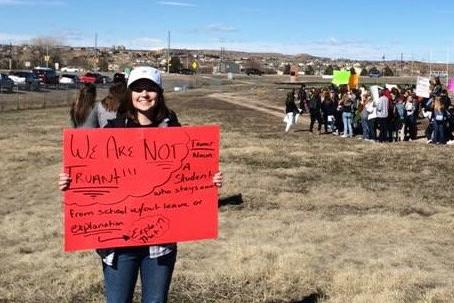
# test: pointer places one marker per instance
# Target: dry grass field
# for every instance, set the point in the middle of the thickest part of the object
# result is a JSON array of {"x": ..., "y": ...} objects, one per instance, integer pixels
[{"x": 324, "y": 219}]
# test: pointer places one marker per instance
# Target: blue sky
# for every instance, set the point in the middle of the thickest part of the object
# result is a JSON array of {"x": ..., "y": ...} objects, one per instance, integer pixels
[{"x": 419, "y": 29}]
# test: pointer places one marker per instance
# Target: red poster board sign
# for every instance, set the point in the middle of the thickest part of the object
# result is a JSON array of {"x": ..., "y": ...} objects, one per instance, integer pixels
[{"x": 140, "y": 186}]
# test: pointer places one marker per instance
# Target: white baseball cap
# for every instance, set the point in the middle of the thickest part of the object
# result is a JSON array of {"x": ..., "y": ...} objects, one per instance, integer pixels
[{"x": 145, "y": 72}]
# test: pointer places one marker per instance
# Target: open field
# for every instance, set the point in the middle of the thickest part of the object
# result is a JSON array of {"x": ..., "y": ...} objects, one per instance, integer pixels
[{"x": 324, "y": 219}]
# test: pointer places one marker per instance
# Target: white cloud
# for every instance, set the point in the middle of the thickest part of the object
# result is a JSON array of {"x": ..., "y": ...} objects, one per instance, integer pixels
[
  {"x": 145, "y": 43},
  {"x": 30, "y": 3},
  {"x": 6, "y": 38},
  {"x": 171, "y": 3}
]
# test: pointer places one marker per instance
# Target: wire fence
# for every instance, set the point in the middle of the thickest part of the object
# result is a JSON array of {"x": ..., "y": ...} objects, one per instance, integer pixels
[
  {"x": 20, "y": 100},
  {"x": 44, "y": 98}
]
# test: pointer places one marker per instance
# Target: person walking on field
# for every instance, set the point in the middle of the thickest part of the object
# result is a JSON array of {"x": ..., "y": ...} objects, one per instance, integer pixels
[
  {"x": 302, "y": 97},
  {"x": 145, "y": 107},
  {"x": 291, "y": 111}
]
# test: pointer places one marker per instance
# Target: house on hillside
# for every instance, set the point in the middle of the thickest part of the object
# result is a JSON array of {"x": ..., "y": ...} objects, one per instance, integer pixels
[{"x": 229, "y": 67}]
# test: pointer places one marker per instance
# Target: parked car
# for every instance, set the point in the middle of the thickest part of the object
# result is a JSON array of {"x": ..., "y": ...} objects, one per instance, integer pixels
[
  {"x": 186, "y": 71},
  {"x": 69, "y": 80},
  {"x": 6, "y": 84},
  {"x": 25, "y": 79},
  {"x": 253, "y": 71},
  {"x": 374, "y": 74},
  {"x": 68, "y": 69},
  {"x": 92, "y": 77},
  {"x": 47, "y": 76}
]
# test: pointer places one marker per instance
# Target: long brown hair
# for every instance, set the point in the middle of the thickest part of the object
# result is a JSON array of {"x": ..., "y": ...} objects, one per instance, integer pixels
[
  {"x": 159, "y": 112},
  {"x": 84, "y": 103},
  {"x": 439, "y": 105},
  {"x": 115, "y": 97}
]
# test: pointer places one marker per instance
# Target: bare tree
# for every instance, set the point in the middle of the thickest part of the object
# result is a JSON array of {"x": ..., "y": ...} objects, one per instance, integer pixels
[
  {"x": 45, "y": 46},
  {"x": 252, "y": 63}
]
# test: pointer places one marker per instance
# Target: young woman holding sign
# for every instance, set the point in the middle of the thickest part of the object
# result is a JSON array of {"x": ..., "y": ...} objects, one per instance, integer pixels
[{"x": 144, "y": 107}]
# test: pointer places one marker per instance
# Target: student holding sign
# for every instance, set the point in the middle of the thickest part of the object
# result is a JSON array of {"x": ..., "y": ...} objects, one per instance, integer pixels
[{"x": 144, "y": 107}]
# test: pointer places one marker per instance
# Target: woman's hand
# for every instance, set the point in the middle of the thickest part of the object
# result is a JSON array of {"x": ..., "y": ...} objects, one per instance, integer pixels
[
  {"x": 218, "y": 179},
  {"x": 63, "y": 181}
]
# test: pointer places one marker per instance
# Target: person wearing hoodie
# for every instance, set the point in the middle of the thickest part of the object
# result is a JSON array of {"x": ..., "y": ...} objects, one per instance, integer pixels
[
  {"x": 364, "y": 114},
  {"x": 328, "y": 110},
  {"x": 382, "y": 106},
  {"x": 347, "y": 115},
  {"x": 291, "y": 111},
  {"x": 410, "y": 118},
  {"x": 399, "y": 118},
  {"x": 371, "y": 118},
  {"x": 437, "y": 87},
  {"x": 315, "y": 110},
  {"x": 302, "y": 97},
  {"x": 439, "y": 118}
]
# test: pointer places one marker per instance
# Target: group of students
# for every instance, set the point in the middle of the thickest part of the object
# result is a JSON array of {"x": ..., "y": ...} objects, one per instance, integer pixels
[
  {"x": 134, "y": 102},
  {"x": 391, "y": 115}
]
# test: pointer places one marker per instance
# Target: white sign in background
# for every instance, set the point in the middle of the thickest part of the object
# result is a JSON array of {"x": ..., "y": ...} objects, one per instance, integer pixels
[{"x": 423, "y": 87}]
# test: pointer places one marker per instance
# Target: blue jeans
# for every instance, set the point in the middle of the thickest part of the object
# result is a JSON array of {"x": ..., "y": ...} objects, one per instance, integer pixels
[
  {"x": 439, "y": 133},
  {"x": 347, "y": 119},
  {"x": 371, "y": 128},
  {"x": 155, "y": 274},
  {"x": 365, "y": 127}
]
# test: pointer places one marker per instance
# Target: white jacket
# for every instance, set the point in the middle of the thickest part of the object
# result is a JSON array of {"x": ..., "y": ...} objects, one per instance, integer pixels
[
  {"x": 371, "y": 110},
  {"x": 382, "y": 107}
]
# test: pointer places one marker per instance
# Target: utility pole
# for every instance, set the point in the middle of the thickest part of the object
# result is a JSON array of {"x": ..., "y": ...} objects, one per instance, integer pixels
[
  {"x": 47, "y": 55},
  {"x": 187, "y": 58},
  {"x": 168, "y": 52},
  {"x": 222, "y": 59},
  {"x": 412, "y": 60},
  {"x": 96, "y": 52},
  {"x": 10, "y": 55},
  {"x": 401, "y": 63},
  {"x": 447, "y": 67}
]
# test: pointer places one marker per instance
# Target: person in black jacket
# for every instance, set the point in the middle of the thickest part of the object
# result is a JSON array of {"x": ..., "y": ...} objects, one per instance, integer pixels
[
  {"x": 329, "y": 110},
  {"x": 144, "y": 107},
  {"x": 302, "y": 97},
  {"x": 315, "y": 104},
  {"x": 291, "y": 111}
]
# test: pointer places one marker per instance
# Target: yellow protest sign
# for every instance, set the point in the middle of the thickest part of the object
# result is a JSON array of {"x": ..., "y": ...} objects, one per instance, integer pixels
[{"x": 341, "y": 77}]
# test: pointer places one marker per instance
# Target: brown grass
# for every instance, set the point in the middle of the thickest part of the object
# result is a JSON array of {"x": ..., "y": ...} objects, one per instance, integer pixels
[{"x": 341, "y": 220}]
